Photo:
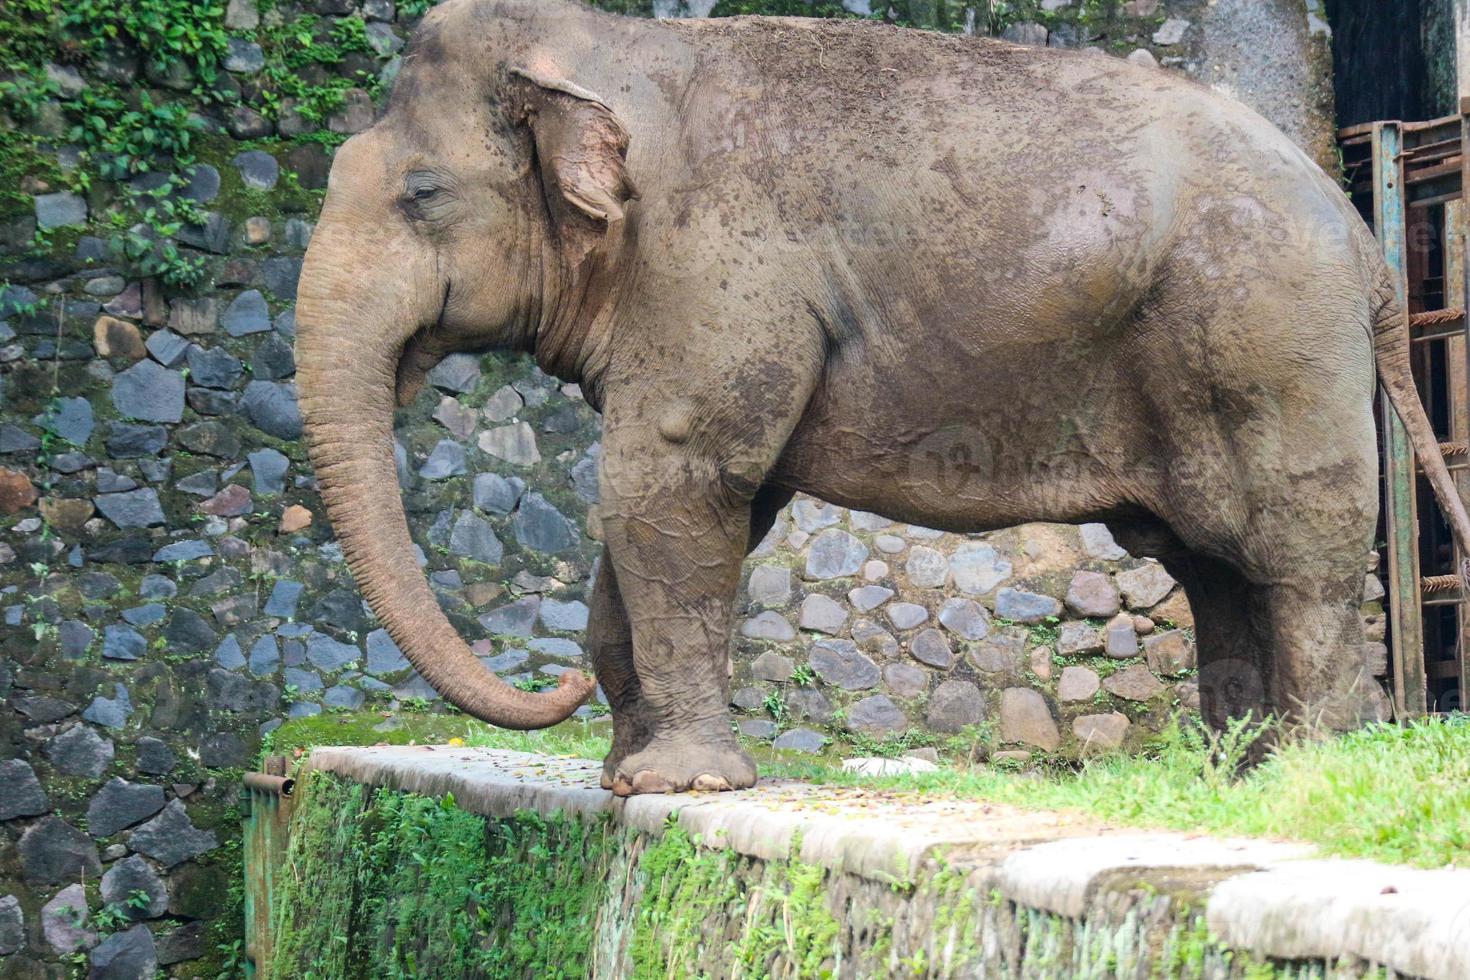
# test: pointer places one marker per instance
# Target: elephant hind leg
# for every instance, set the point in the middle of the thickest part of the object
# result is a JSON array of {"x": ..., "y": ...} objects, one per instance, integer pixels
[
  {"x": 1278, "y": 614},
  {"x": 1320, "y": 678},
  {"x": 1230, "y": 646},
  {"x": 1277, "y": 625},
  {"x": 1232, "y": 650}
]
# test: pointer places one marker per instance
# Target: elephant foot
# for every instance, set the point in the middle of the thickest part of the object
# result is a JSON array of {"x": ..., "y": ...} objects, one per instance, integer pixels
[
  {"x": 610, "y": 766},
  {"x": 630, "y": 734},
  {"x": 666, "y": 767}
]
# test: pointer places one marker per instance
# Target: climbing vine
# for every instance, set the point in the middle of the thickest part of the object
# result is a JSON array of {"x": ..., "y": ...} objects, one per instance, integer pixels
[
  {"x": 169, "y": 33},
  {"x": 116, "y": 129}
]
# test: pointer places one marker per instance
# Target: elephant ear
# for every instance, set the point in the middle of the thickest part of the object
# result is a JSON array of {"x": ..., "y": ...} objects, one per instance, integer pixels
[{"x": 582, "y": 149}]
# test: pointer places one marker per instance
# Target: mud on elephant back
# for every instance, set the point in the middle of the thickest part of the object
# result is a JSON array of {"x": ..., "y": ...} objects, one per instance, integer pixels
[{"x": 698, "y": 223}]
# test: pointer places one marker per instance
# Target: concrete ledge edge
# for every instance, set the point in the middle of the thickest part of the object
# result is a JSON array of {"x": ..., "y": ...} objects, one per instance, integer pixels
[{"x": 1276, "y": 900}]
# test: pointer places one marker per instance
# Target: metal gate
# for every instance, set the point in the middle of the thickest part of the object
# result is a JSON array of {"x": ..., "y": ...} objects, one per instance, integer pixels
[{"x": 1407, "y": 180}]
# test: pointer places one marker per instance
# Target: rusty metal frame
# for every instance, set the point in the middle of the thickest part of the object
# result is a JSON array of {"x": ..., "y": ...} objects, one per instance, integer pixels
[
  {"x": 1408, "y": 168},
  {"x": 1401, "y": 515},
  {"x": 267, "y": 829},
  {"x": 1431, "y": 159}
]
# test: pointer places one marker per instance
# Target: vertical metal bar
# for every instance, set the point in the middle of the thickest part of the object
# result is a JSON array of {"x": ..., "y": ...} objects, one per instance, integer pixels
[
  {"x": 254, "y": 834},
  {"x": 266, "y": 834},
  {"x": 1458, "y": 377},
  {"x": 1459, "y": 233},
  {"x": 1401, "y": 513}
]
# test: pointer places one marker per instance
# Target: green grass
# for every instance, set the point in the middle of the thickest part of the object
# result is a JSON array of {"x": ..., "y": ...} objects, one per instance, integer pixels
[
  {"x": 580, "y": 739},
  {"x": 586, "y": 740},
  {"x": 1390, "y": 793}
]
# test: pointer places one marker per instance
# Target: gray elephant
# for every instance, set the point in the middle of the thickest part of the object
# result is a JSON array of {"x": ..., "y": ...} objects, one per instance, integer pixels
[{"x": 950, "y": 280}]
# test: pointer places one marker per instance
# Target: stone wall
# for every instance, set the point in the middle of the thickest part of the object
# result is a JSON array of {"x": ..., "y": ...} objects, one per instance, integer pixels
[{"x": 171, "y": 590}]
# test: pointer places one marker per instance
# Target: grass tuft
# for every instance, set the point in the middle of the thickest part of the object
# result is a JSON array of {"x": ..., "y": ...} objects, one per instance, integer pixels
[{"x": 1391, "y": 793}]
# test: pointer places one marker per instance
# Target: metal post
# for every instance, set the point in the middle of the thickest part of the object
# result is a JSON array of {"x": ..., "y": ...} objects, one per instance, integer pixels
[
  {"x": 1462, "y": 233},
  {"x": 1457, "y": 231},
  {"x": 267, "y": 831},
  {"x": 1401, "y": 517},
  {"x": 1457, "y": 357}
]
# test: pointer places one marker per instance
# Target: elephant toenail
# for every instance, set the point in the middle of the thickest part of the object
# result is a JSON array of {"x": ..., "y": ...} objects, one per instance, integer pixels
[
  {"x": 706, "y": 783},
  {"x": 648, "y": 781}
]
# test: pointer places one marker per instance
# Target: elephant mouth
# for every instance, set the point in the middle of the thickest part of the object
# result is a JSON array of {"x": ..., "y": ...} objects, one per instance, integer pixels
[
  {"x": 443, "y": 306},
  {"x": 422, "y": 351}
]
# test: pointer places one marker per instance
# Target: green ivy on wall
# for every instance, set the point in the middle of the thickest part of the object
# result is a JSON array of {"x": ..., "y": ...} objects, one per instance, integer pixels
[
  {"x": 168, "y": 33},
  {"x": 123, "y": 128}
]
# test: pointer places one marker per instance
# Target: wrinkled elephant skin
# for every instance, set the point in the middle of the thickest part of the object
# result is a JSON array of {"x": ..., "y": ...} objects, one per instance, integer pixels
[{"x": 950, "y": 280}]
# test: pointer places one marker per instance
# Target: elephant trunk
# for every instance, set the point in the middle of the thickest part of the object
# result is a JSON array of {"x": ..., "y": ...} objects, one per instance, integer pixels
[{"x": 346, "y": 373}]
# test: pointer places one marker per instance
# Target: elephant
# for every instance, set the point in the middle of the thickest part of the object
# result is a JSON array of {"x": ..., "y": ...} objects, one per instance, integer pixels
[{"x": 948, "y": 280}]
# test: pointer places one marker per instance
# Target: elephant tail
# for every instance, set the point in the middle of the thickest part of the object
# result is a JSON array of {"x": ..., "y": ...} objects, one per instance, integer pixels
[{"x": 1391, "y": 353}]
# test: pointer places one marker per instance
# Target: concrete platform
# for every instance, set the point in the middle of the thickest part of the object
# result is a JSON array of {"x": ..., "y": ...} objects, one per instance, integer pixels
[{"x": 1277, "y": 902}]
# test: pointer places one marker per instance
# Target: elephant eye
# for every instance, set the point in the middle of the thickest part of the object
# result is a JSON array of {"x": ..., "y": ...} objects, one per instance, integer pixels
[{"x": 423, "y": 193}]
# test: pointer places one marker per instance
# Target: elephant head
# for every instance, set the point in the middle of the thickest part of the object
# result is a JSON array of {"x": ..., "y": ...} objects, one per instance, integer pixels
[{"x": 477, "y": 213}]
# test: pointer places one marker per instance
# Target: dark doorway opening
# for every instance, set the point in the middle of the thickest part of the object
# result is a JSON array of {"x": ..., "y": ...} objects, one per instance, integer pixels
[{"x": 1392, "y": 59}]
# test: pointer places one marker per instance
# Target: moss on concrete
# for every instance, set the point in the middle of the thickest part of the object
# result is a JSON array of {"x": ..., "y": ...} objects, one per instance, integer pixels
[
  {"x": 366, "y": 728},
  {"x": 384, "y": 883},
  {"x": 784, "y": 925},
  {"x": 396, "y": 884}
]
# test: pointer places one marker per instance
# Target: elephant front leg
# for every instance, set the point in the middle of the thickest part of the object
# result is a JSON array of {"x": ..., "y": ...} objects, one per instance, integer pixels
[
  {"x": 610, "y": 645},
  {"x": 676, "y": 538}
]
